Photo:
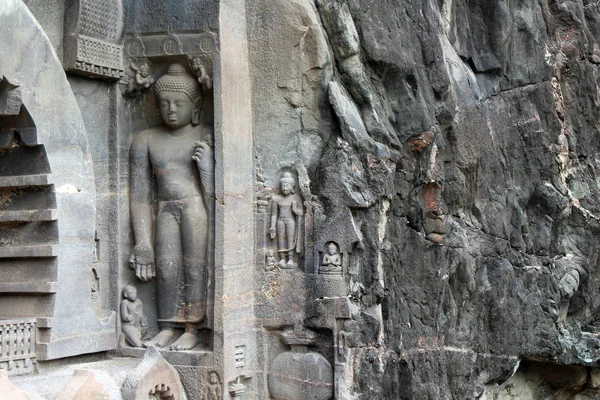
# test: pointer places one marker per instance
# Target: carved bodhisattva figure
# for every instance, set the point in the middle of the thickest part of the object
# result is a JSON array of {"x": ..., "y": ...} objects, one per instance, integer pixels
[
  {"x": 286, "y": 221},
  {"x": 177, "y": 158},
  {"x": 212, "y": 390}
]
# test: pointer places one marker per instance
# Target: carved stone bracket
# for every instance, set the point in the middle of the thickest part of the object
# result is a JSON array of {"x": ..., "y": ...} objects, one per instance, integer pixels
[
  {"x": 148, "y": 46},
  {"x": 91, "y": 45}
]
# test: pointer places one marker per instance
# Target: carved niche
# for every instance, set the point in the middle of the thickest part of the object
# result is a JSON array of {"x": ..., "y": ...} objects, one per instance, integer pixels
[
  {"x": 172, "y": 185},
  {"x": 92, "y": 38}
]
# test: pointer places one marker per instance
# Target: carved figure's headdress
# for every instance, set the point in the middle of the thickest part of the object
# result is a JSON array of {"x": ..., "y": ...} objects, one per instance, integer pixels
[
  {"x": 287, "y": 177},
  {"x": 177, "y": 79}
]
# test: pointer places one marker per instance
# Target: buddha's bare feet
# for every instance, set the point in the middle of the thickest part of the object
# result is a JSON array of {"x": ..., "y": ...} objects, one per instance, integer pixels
[
  {"x": 187, "y": 341},
  {"x": 163, "y": 339}
]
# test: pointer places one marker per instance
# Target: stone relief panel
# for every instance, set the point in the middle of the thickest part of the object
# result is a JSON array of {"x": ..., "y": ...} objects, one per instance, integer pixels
[
  {"x": 139, "y": 51},
  {"x": 92, "y": 38},
  {"x": 287, "y": 222},
  {"x": 332, "y": 260},
  {"x": 178, "y": 158},
  {"x": 172, "y": 185}
]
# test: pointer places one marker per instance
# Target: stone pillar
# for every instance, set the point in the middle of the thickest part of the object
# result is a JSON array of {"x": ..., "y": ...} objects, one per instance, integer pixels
[{"x": 234, "y": 298}]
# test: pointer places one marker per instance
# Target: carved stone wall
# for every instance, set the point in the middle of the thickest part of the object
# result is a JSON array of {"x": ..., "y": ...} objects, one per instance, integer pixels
[
  {"x": 49, "y": 211},
  {"x": 405, "y": 194}
]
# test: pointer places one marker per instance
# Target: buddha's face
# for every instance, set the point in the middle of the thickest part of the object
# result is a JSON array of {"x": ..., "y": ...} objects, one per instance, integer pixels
[
  {"x": 331, "y": 249},
  {"x": 176, "y": 109},
  {"x": 214, "y": 378}
]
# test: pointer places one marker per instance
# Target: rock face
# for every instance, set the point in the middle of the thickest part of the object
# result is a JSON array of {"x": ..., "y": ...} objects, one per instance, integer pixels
[
  {"x": 465, "y": 148},
  {"x": 406, "y": 193}
]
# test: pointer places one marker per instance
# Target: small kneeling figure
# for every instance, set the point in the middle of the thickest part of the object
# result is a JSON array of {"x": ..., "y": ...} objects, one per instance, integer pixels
[{"x": 135, "y": 325}]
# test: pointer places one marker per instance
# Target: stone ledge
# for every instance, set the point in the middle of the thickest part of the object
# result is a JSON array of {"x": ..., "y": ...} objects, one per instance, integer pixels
[{"x": 195, "y": 358}]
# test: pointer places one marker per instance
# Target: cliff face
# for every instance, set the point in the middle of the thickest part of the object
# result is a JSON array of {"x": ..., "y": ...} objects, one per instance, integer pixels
[{"x": 463, "y": 137}]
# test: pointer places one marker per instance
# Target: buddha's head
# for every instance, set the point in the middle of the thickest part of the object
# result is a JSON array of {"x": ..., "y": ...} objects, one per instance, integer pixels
[
  {"x": 332, "y": 249},
  {"x": 179, "y": 97}
]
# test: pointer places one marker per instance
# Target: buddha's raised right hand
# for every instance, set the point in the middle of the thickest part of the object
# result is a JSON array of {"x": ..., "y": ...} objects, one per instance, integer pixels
[{"x": 142, "y": 261}]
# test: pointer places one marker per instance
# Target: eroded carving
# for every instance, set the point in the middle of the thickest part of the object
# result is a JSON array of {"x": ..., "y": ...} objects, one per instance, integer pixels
[
  {"x": 287, "y": 212},
  {"x": 10, "y": 98},
  {"x": 161, "y": 392},
  {"x": 237, "y": 387},
  {"x": 134, "y": 323},
  {"x": 435, "y": 221},
  {"x": 171, "y": 45},
  {"x": 207, "y": 43},
  {"x": 332, "y": 260},
  {"x": 271, "y": 262},
  {"x": 212, "y": 390},
  {"x": 153, "y": 379},
  {"x": 299, "y": 373},
  {"x": 134, "y": 47},
  {"x": 180, "y": 157},
  {"x": 346, "y": 337},
  {"x": 204, "y": 78}
]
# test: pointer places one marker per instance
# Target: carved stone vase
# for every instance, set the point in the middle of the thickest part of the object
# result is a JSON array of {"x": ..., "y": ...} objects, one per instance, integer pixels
[{"x": 300, "y": 374}]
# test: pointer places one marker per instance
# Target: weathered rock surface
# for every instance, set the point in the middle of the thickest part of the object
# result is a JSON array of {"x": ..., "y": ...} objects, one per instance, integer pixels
[{"x": 487, "y": 114}]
